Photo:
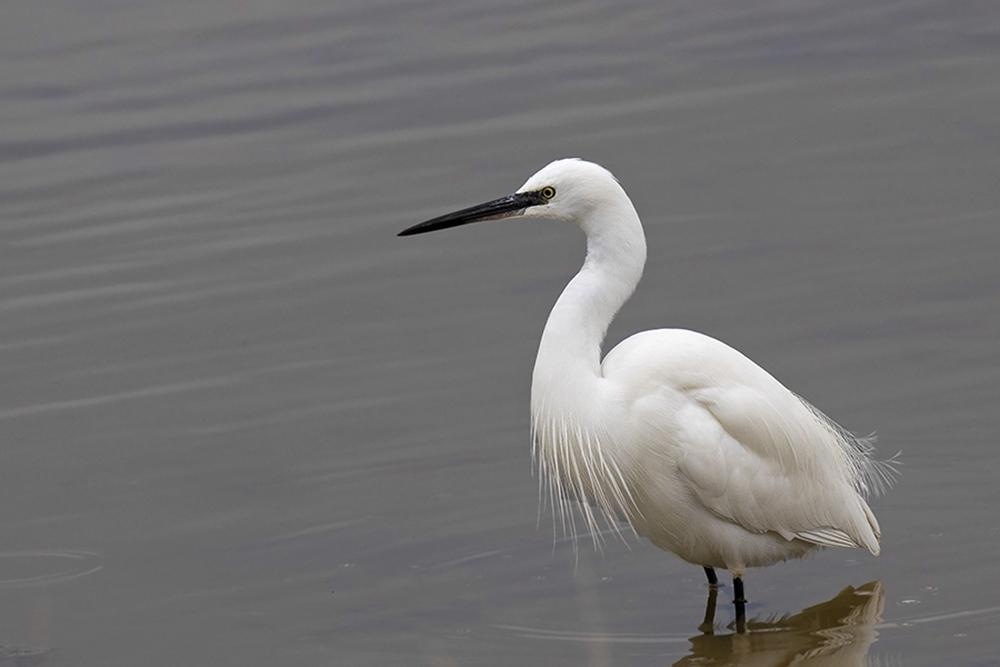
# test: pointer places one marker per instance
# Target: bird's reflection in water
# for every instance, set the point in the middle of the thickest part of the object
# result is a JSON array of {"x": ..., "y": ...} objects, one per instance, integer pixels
[{"x": 836, "y": 632}]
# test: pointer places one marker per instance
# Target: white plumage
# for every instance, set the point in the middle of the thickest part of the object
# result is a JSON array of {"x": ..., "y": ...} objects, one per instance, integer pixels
[{"x": 698, "y": 448}]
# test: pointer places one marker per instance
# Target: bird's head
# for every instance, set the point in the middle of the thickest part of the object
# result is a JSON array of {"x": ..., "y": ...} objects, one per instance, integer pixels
[{"x": 567, "y": 189}]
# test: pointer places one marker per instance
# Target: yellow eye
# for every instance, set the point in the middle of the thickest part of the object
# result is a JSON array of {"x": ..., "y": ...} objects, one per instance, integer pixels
[{"x": 548, "y": 192}]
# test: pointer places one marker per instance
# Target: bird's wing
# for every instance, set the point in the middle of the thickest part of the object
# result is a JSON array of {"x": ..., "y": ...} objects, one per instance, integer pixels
[
  {"x": 751, "y": 451},
  {"x": 763, "y": 460}
]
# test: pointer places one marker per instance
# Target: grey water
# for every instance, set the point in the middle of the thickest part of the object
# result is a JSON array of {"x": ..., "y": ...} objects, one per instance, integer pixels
[{"x": 242, "y": 423}]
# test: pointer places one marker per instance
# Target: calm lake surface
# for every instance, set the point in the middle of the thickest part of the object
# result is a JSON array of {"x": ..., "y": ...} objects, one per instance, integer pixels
[{"x": 242, "y": 423}]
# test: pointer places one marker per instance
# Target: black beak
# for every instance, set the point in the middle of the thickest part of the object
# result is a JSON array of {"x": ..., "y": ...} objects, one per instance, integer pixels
[{"x": 504, "y": 207}]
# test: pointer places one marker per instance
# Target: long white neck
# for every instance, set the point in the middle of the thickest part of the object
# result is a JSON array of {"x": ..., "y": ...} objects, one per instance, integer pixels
[
  {"x": 569, "y": 397},
  {"x": 568, "y": 365}
]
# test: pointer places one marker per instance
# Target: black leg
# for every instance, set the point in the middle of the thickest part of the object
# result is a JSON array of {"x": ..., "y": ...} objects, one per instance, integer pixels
[
  {"x": 710, "y": 573},
  {"x": 741, "y": 605},
  {"x": 738, "y": 591},
  {"x": 741, "y": 618}
]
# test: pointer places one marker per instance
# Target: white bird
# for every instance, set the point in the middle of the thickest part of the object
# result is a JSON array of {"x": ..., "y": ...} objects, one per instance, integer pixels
[{"x": 700, "y": 449}]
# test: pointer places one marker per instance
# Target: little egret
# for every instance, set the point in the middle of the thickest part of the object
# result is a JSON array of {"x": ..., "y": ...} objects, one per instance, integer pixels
[{"x": 698, "y": 448}]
